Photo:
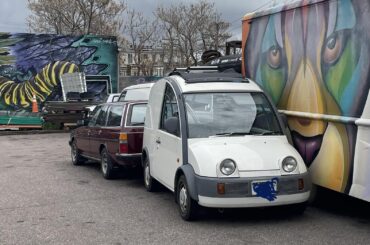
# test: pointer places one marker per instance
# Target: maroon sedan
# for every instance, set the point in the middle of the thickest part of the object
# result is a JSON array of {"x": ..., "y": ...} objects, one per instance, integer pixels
[{"x": 113, "y": 135}]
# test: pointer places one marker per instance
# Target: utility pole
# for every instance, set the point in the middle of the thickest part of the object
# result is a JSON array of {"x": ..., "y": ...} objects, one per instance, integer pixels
[{"x": 217, "y": 34}]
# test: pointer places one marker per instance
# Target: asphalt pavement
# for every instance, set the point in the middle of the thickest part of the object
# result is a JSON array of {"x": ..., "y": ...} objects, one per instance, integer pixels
[{"x": 44, "y": 199}]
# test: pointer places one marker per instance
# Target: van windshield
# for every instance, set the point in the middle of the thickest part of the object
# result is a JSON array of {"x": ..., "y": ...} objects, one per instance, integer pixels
[{"x": 230, "y": 114}]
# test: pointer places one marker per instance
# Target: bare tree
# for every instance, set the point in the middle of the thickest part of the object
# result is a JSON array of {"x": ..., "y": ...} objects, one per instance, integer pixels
[
  {"x": 168, "y": 22},
  {"x": 101, "y": 17},
  {"x": 214, "y": 33},
  {"x": 192, "y": 29},
  {"x": 141, "y": 35}
]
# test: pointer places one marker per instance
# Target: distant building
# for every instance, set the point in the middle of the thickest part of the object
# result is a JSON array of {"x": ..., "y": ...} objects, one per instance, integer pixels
[
  {"x": 151, "y": 62},
  {"x": 154, "y": 61}
]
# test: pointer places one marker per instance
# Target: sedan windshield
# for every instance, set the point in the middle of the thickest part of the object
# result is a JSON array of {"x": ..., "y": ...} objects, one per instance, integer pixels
[{"x": 230, "y": 114}]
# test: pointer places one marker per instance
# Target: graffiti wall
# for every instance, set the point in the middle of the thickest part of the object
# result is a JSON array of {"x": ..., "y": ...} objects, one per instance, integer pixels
[
  {"x": 313, "y": 59},
  {"x": 32, "y": 64}
]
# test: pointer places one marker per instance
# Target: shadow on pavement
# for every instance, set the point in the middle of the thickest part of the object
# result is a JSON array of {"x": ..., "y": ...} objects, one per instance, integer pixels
[
  {"x": 121, "y": 172},
  {"x": 250, "y": 215},
  {"x": 342, "y": 205},
  {"x": 327, "y": 201}
]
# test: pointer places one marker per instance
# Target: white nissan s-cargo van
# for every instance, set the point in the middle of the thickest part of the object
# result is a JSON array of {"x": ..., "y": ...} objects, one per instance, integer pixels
[{"x": 216, "y": 140}]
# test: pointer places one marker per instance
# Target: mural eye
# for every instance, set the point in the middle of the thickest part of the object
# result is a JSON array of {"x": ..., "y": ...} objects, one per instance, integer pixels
[
  {"x": 333, "y": 48},
  {"x": 274, "y": 57}
]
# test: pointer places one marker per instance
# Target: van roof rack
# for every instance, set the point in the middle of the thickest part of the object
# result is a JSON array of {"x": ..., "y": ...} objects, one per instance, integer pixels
[
  {"x": 196, "y": 69},
  {"x": 202, "y": 74}
]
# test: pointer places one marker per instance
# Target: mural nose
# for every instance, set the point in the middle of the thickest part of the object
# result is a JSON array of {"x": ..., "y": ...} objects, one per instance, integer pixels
[
  {"x": 306, "y": 96},
  {"x": 308, "y": 147},
  {"x": 304, "y": 122}
]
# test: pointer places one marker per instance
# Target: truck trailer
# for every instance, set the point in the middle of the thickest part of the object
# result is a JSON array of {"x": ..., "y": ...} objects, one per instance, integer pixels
[{"x": 312, "y": 58}]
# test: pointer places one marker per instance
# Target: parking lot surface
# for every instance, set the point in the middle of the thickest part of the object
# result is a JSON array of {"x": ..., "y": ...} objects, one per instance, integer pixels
[{"x": 46, "y": 200}]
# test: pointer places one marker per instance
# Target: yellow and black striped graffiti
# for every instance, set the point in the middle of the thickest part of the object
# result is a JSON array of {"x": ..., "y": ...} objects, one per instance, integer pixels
[{"x": 19, "y": 95}]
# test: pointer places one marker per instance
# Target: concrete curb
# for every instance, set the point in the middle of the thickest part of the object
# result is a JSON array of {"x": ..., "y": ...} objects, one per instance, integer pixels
[{"x": 29, "y": 132}]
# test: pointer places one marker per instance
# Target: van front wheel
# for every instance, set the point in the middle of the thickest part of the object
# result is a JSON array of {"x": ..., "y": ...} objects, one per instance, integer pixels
[{"x": 188, "y": 208}]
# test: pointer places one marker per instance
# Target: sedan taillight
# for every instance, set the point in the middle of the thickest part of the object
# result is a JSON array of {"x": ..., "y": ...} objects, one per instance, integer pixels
[{"x": 123, "y": 146}]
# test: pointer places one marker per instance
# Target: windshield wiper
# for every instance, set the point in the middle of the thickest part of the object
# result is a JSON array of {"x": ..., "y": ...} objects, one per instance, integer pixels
[
  {"x": 271, "y": 133},
  {"x": 231, "y": 134}
]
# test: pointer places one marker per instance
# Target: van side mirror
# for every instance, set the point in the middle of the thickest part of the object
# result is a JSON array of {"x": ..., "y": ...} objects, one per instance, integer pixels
[
  {"x": 286, "y": 130},
  {"x": 171, "y": 125},
  {"x": 284, "y": 119}
]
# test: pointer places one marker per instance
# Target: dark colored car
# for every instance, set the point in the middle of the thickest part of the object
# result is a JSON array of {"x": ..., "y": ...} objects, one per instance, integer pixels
[{"x": 113, "y": 135}]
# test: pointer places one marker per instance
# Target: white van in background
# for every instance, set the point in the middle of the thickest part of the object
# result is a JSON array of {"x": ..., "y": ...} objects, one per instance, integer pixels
[{"x": 136, "y": 92}]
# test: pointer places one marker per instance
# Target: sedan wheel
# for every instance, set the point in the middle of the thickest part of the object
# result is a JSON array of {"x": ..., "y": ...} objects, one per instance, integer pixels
[
  {"x": 106, "y": 165},
  {"x": 77, "y": 159}
]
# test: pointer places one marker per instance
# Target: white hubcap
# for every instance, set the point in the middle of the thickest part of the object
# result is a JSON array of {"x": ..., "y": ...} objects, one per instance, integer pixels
[
  {"x": 147, "y": 175},
  {"x": 74, "y": 151},
  {"x": 104, "y": 163},
  {"x": 183, "y": 198}
]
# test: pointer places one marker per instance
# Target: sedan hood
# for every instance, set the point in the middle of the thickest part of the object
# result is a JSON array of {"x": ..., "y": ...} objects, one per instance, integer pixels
[{"x": 251, "y": 153}]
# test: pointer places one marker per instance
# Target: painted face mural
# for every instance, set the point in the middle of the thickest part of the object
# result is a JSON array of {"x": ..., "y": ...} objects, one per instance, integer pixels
[
  {"x": 32, "y": 64},
  {"x": 315, "y": 59}
]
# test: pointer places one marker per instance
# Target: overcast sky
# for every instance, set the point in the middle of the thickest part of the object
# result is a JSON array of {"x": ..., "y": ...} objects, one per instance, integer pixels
[{"x": 13, "y": 13}]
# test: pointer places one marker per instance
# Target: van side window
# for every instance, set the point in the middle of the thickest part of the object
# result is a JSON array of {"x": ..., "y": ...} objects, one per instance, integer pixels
[
  {"x": 102, "y": 118},
  {"x": 122, "y": 96},
  {"x": 114, "y": 116},
  {"x": 115, "y": 98},
  {"x": 169, "y": 106}
]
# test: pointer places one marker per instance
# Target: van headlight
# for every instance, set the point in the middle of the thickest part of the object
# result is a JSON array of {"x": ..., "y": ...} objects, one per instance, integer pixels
[
  {"x": 289, "y": 164},
  {"x": 227, "y": 167}
]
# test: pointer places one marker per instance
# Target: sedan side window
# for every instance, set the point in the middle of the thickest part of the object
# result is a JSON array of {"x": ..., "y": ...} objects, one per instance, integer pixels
[
  {"x": 94, "y": 115},
  {"x": 115, "y": 116},
  {"x": 102, "y": 118},
  {"x": 169, "y": 108}
]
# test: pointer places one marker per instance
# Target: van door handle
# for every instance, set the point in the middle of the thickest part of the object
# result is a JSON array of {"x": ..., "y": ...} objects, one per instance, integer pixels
[{"x": 158, "y": 141}]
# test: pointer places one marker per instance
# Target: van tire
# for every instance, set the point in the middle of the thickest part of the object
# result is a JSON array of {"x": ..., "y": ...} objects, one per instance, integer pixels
[
  {"x": 188, "y": 208},
  {"x": 151, "y": 185},
  {"x": 299, "y": 208},
  {"x": 313, "y": 194},
  {"x": 106, "y": 164},
  {"x": 77, "y": 159}
]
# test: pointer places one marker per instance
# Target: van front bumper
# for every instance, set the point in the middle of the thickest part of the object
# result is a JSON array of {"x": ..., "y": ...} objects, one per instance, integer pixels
[
  {"x": 238, "y": 191},
  {"x": 246, "y": 202}
]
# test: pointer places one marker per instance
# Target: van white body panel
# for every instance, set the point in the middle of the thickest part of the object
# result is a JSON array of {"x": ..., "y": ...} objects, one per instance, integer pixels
[{"x": 250, "y": 153}]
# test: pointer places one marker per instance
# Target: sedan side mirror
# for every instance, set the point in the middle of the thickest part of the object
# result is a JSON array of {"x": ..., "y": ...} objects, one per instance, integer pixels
[
  {"x": 82, "y": 122},
  {"x": 171, "y": 125}
]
